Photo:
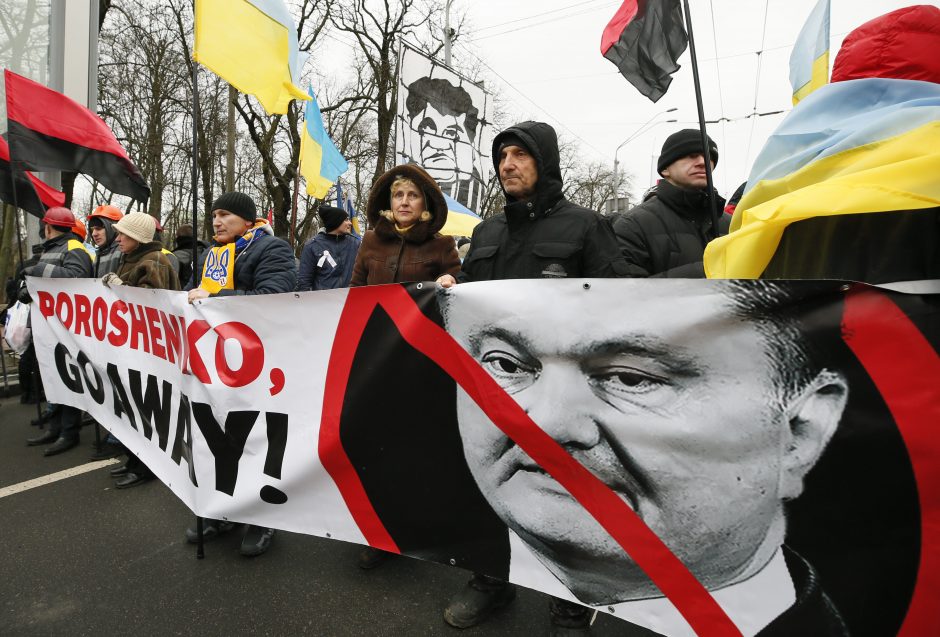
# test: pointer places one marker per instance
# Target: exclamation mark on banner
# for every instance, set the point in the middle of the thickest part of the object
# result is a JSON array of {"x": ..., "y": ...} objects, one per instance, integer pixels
[{"x": 277, "y": 444}]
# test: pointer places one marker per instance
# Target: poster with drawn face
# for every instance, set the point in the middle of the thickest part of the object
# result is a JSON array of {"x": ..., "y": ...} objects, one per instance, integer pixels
[{"x": 443, "y": 125}]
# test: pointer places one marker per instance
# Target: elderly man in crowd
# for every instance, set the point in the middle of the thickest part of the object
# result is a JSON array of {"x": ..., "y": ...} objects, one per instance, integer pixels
[{"x": 540, "y": 234}]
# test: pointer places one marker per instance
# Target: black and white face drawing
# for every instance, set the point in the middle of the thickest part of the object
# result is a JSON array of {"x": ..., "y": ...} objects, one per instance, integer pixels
[
  {"x": 704, "y": 439},
  {"x": 442, "y": 126}
]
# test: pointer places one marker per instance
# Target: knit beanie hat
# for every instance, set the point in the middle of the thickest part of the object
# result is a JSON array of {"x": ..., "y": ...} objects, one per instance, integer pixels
[
  {"x": 237, "y": 203},
  {"x": 511, "y": 139},
  {"x": 682, "y": 143},
  {"x": 332, "y": 217},
  {"x": 139, "y": 226}
]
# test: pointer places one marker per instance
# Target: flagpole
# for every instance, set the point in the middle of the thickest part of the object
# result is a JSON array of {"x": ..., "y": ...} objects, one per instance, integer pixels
[
  {"x": 200, "y": 547},
  {"x": 293, "y": 207},
  {"x": 712, "y": 202},
  {"x": 19, "y": 249},
  {"x": 16, "y": 207},
  {"x": 16, "y": 213}
]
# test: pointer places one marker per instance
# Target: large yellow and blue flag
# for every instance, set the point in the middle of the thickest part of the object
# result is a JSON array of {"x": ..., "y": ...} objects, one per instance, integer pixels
[
  {"x": 252, "y": 45},
  {"x": 460, "y": 220},
  {"x": 321, "y": 163},
  {"x": 854, "y": 147},
  {"x": 809, "y": 61}
]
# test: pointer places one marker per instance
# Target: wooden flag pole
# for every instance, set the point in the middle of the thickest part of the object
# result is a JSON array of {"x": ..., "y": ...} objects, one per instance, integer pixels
[{"x": 712, "y": 201}]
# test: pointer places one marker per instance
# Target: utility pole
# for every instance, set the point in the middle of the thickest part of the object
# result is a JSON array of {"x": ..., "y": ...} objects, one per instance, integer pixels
[
  {"x": 642, "y": 129},
  {"x": 447, "y": 32},
  {"x": 230, "y": 140}
]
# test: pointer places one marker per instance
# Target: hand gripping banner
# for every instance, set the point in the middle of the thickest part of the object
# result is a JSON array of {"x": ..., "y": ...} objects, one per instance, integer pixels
[{"x": 695, "y": 457}]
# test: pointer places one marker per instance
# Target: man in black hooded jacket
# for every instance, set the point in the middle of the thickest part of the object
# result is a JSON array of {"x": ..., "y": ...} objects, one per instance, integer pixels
[
  {"x": 666, "y": 235},
  {"x": 539, "y": 234}
]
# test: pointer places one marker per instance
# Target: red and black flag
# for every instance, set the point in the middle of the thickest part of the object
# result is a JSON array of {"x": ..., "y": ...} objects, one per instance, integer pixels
[
  {"x": 32, "y": 194},
  {"x": 49, "y": 131},
  {"x": 644, "y": 39}
]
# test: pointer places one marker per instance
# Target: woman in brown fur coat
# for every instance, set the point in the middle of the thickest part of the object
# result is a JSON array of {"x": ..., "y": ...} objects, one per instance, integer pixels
[
  {"x": 143, "y": 265},
  {"x": 406, "y": 210}
]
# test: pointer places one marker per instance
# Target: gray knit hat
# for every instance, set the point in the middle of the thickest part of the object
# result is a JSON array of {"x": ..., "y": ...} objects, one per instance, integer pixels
[
  {"x": 237, "y": 203},
  {"x": 139, "y": 226}
]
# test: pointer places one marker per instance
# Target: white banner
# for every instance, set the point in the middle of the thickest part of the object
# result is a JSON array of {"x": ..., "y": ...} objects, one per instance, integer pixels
[
  {"x": 161, "y": 374},
  {"x": 443, "y": 124},
  {"x": 678, "y": 453}
]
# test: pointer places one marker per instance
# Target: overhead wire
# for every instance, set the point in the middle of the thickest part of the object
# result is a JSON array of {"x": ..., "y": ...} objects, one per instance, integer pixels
[
  {"x": 721, "y": 98},
  {"x": 565, "y": 8},
  {"x": 710, "y": 59},
  {"x": 750, "y": 137},
  {"x": 531, "y": 101},
  {"x": 549, "y": 20}
]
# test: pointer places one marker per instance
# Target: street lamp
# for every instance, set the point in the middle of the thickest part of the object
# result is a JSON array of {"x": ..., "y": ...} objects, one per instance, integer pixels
[{"x": 642, "y": 129}]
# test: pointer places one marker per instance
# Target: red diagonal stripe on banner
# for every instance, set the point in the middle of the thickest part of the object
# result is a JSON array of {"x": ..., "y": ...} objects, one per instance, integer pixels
[
  {"x": 906, "y": 370},
  {"x": 352, "y": 322},
  {"x": 644, "y": 547}
]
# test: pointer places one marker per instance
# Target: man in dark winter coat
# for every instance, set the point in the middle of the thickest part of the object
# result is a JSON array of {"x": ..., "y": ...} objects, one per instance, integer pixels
[
  {"x": 63, "y": 257},
  {"x": 540, "y": 234},
  {"x": 327, "y": 260},
  {"x": 183, "y": 251},
  {"x": 666, "y": 235},
  {"x": 259, "y": 262},
  {"x": 246, "y": 259}
]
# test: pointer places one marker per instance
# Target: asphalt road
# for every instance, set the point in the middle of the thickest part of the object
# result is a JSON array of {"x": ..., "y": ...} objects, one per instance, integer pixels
[{"x": 80, "y": 557}]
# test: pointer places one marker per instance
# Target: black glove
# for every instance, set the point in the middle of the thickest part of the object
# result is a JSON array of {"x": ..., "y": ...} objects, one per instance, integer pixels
[{"x": 23, "y": 296}]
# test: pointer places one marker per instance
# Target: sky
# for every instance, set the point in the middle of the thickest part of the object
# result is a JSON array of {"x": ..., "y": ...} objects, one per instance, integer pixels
[{"x": 544, "y": 55}]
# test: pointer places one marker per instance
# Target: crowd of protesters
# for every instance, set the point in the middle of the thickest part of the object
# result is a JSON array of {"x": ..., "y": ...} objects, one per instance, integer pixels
[{"x": 538, "y": 234}]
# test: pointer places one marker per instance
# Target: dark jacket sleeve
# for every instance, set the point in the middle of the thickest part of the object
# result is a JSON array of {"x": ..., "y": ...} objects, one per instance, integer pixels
[
  {"x": 601, "y": 257},
  {"x": 307, "y": 275},
  {"x": 633, "y": 246},
  {"x": 450, "y": 261},
  {"x": 695, "y": 270},
  {"x": 360, "y": 271},
  {"x": 200, "y": 265},
  {"x": 465, "y": 275},
  {"x": 275, "y": 272},
  {"x": 75, "y": 265}
]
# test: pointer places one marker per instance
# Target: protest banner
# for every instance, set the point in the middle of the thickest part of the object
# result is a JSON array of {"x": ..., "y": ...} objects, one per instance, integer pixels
[{"x": 696, "y": 457}]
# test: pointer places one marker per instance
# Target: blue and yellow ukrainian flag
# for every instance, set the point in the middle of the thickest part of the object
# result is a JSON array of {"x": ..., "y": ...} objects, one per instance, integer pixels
[
  {"x": 252, "y": 45},
  {"x": 321, "y": 163},
  {"x": 460, "y": 220},
  {"x": 809, "y": 61},
  {"x": 860, "y": 146},
  {"x": 345, "y": 204}
]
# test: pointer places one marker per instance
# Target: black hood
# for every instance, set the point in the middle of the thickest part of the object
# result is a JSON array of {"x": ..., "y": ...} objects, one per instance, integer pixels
[
  {"x": 109, "y": 232},
  {"x": 540, "y": 140}
]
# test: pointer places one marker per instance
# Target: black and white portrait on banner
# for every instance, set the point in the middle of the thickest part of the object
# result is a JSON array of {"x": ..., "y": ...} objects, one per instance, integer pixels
[
  {"x": 776, "y": 438},
  {"x": 443, "y": 124},
  {"x": 729, "y": 416}
]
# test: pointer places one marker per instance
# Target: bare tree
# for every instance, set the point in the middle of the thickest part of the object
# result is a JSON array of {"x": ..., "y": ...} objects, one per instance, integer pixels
[
  {"x": 142, "y": 86},
  {"x": 377, "y": 27}
]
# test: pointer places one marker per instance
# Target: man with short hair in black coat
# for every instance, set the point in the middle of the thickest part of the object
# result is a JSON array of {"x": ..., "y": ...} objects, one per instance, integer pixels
[
  {"x": 246, "y": 258},
  {"x": 666, "y": 235},
  {"x": 539, "y": 234}
]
